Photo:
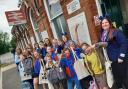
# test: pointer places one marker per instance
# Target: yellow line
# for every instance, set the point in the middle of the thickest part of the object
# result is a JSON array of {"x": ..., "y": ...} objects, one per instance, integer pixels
[{"x": 8, "y": 67}]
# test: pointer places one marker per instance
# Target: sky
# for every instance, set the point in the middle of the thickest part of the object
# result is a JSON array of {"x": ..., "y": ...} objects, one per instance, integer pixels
[{"x": 6, "y": 5}]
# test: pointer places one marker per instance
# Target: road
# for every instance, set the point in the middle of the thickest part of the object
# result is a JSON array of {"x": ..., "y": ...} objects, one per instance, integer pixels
[
  {"x": 0, "y": 79},
  {"x": 9, "y": 76},
  {"x": 11, "y": 79}
]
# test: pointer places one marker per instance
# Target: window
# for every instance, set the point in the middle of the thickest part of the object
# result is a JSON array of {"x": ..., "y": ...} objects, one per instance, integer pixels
[
  {"x": 54, "y": 9},
  {"x": 34, "y": 25},
  {"x": 56, "y": 17}
]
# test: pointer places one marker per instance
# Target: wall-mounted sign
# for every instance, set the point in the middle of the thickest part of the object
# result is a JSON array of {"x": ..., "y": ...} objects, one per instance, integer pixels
[
  {"x": 73, "y": 6},
  {"x": 97, "y": 20},
  {"x": 15, "y": 17}
]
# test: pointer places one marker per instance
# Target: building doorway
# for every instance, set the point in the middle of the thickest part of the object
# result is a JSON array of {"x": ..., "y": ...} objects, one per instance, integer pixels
[{"x": 113, "y": 8}]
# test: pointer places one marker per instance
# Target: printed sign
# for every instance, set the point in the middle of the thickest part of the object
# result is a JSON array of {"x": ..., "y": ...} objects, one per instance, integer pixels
[
  {"x": 15, "y": 17},
  {"x": 73, "y": 6}
]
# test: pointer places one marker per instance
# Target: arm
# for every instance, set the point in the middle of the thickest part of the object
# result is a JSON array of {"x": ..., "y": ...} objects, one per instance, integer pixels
[
  {"x": 121, "y": 40},
  {"x": 17, "y": 60},
  {"x": 76, "y": 35}
]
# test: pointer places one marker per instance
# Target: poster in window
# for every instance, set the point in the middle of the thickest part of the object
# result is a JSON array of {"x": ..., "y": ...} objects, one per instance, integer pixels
[{"x": 83, "y": 33}]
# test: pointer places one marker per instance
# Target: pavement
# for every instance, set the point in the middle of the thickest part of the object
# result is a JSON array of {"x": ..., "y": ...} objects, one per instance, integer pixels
[{"x": 6, "y": 58}]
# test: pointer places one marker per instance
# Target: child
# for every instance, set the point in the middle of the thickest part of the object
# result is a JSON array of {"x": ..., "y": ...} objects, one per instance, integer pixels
[
  {"x": 95, "y": 65},
  {"x": 25, "y": 70}
]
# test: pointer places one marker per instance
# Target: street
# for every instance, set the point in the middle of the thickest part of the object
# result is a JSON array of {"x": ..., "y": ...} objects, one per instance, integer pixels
[
  {"x": 9, "y": 76},
  {"x": 11, "y": 79}
]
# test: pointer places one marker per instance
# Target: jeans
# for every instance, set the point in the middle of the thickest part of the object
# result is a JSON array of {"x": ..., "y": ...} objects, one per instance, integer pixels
[
  {"x": 27, "y": 85},
  {"x": 73, "y": 80}
]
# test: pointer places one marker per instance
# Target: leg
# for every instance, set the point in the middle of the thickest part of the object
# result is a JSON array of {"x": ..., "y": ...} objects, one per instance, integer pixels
[
  {"x": 118, "y": 70},
  {"x": 64, "y": 83},
  {"x": 77, "y": 83},
  {"x": 86, "y": 82},
  {"x": 69, "y": 83},
  {"x": 35, "y": 82},
  {"x": 101, "y": 81}
]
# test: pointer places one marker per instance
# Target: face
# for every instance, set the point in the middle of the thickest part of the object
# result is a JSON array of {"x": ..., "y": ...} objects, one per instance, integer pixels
[
  {"x": 60, "y": 42},
  {"x": 41, "y": 45},
  {"x": 55, "y": 41},
  {"x": 84, "y": 48},
  {"x": 36, "y": 45},
  {"x": 67, "y": 53},
  {"x": 22, "y": 57},
  {"x": 36, "y": 54},
  {"x": 105, "y": 24},
  {"x": 64, "y": 38},
  {"x": 48, "y": 59},
  {"x": 72, "y": 46},
  {"x": 47, "y": 41},
  {"x": 29, "y": 48},
  {"x": 49, "y": 49}
]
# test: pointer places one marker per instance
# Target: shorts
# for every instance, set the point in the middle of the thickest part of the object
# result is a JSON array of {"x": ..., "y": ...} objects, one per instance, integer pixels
[
  {"x": 35, "y": 75},
  {"x": 101, "y": 80}
]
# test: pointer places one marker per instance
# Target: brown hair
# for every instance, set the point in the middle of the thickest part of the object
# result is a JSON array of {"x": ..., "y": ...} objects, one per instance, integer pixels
[
  {"x": 66, "y": 49},
  {"x": 48, "y": 55},
  {"x": 29, "y": 45},
  {"x": 85, "y": 44},
  {"x": 27, "y": 53},
  {"x": 111, "y": 29},
  {"x": 49, "y": 44},
  {"x": 18, "y": 51}
]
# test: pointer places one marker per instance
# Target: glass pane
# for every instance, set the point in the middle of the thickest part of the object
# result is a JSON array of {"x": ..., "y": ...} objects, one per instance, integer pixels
[
  {"x": 60, "y": 25},
  {"x": 63, "y": 22},
  {"x": 54, "y": 9},
  {"x": 57, "y": 27}
]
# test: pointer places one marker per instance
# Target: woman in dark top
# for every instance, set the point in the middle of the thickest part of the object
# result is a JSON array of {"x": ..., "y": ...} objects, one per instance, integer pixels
[{"x": 117, "y": 48}]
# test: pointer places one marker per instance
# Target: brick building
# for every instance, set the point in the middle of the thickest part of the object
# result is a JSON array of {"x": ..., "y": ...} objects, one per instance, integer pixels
[{"x": 51, "y": 18}]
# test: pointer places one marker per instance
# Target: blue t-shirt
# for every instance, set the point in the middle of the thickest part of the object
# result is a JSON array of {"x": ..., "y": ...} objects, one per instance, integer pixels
[
  {"x": 68, "y": 62},
  {"x": 43, "y": 52},
  {"x": 37, "y": 65}
]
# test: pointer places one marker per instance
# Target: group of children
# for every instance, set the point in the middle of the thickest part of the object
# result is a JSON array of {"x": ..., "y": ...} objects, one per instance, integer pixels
[
  {"x": 58, "y": 53},
  {"x": 63, "y": 54}
]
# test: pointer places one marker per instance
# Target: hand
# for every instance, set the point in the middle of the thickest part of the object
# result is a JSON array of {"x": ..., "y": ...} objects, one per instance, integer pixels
[
  {"x": 93, "y": 46},
  {"x": 103, "y": 44},
  {"x": 120, "y": 60},
  {"x": 76, "y": 27},
  {"x": 21, "y": 58}
]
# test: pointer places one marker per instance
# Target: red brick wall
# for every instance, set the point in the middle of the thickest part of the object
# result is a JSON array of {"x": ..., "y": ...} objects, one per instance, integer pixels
[{"x": 89, "y": 7}]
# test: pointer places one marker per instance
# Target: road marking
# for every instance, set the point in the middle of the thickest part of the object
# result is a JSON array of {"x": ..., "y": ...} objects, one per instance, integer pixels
[
  {"x": 8, "y": 67},
  {"x": 0, "y": 79}
]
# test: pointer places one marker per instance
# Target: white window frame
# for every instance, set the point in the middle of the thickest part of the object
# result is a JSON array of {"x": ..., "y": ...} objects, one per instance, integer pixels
[{"x": 51, "y": 20}]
